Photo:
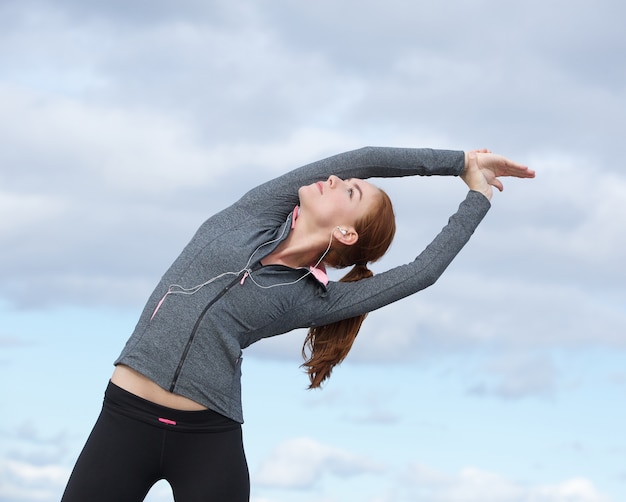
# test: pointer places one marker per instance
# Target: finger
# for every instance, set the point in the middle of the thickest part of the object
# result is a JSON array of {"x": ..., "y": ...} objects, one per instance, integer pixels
[
  {"x": 511, "y": 168},
  {"x": 521, "y": 172},
  {"x": 498, "y": 184}
]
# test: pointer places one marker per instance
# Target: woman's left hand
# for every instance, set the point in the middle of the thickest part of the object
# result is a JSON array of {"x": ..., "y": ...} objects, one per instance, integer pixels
[{"x": 483, "y": 168}]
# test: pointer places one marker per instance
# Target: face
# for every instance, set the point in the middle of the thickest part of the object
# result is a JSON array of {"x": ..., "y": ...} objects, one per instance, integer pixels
[{"x": 336, "y": 202}]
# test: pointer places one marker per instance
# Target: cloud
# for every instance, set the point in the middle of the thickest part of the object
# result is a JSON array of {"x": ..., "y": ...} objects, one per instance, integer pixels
[
  {"x": 24, "y": 444},
  {"x": 104, "y": 147},
  {"x": 27, "y": 210},
  {"x": 147, "y": 124},
  {"x": 125, "y": 182},
  {"x": 237, "y": 70},
  {"x": 286, "y": 470},
  {"x": 124, "y": 125},
  {"x": 519, "y": 375},
  {"x": 516, "y": 81},
  {"x": 301, "y": 463},
  {"x": 23, "y": 481},
  {"x": 569, "y": 220},
  {"x": 476, "y": 485},
  {"x": 498, "y": 315}
]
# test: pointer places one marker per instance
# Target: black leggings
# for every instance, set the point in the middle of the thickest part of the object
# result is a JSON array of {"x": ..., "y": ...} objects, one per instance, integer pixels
[{"x": 136, "y": 443}]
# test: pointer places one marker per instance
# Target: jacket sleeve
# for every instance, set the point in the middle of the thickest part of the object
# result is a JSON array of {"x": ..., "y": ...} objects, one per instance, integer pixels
[{"x": 367, "y": 162}]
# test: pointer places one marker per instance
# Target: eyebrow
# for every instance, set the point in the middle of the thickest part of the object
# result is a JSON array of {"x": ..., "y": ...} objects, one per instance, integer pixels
[{"x": 357, "y": 187}]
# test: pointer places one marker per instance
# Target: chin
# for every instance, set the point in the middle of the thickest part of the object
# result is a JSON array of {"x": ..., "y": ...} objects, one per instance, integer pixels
[{"x": 304, "y": 193}]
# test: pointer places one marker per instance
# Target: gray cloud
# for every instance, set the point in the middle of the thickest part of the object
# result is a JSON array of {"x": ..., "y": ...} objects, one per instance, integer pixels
[{"x": 124, "y": 127}]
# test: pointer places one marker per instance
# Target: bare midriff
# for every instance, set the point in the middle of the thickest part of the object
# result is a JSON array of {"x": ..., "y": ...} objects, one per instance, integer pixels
[{"x": 135, "y": 383}]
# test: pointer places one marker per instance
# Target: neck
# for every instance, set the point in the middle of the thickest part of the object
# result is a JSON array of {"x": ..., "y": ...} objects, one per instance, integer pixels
[{"x": 299, "y": 249}]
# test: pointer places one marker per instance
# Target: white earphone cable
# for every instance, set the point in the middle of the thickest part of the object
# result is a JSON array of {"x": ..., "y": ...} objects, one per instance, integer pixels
[{"x": 181, "y": 290}]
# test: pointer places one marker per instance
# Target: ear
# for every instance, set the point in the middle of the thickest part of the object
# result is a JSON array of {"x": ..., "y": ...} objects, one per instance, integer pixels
[{"x": 347, "y": 235}]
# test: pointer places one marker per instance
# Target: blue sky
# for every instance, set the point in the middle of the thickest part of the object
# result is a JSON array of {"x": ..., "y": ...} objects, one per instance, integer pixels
[{"x": 123, "y": 125}]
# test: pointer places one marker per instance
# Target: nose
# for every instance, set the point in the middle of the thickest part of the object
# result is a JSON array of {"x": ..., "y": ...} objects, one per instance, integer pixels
[{"x": 333, "y": 181}]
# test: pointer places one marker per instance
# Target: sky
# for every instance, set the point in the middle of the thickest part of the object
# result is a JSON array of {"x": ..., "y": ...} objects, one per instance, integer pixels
[{"x": 125, "y": 124}]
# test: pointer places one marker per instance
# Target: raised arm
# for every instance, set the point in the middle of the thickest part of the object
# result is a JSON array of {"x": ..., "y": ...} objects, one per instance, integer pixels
[
  {"x": 368, "y": 162},
  {"x": 481, "y": 172}
]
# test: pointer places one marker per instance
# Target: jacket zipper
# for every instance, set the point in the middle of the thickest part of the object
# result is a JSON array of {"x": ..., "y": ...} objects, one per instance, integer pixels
[{"x": 185, "y": 353}]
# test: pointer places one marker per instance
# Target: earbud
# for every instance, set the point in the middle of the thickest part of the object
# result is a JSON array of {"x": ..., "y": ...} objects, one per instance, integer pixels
[{"x": 342, "y": 230}]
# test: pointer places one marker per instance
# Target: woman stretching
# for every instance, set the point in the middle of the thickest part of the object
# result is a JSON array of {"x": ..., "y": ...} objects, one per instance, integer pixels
[{"x": 172, "y": 409}]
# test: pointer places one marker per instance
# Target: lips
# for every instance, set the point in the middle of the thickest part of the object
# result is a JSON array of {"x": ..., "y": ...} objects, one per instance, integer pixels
[{"x": 320, "y": 187}]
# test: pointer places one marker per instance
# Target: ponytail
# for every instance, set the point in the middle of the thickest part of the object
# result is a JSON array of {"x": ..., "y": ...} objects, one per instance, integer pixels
[{"x": 327, "y": 346}]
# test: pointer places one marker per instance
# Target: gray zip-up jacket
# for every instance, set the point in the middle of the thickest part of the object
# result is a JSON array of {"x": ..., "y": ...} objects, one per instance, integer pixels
[{"x": 191, "y": 344}]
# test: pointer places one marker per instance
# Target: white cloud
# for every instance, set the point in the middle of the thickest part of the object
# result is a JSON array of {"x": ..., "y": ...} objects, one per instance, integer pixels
[
  {"x": 154, "y": 116},
  {"x": 473, "y": 313},
  {"x": 476, "y": 485},
  {"x": 569, "y": 218},
  {"x": 22, "y": 481},
  {"x": 303, "y": 462},
  {"x": 78, "y": 146}
]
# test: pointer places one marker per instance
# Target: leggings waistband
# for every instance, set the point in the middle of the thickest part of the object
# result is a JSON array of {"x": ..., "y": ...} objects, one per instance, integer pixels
[{"x": 128, "y": 404}]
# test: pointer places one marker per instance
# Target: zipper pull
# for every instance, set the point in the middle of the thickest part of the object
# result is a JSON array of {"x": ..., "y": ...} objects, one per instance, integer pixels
[{"x": 159, "y": 305}]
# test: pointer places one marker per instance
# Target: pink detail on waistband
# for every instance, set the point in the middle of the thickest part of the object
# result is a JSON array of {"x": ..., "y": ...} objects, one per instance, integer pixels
[{"x": 167, "y": 421}]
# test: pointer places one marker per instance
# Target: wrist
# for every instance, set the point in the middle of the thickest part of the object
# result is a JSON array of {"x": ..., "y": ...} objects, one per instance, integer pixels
[{"x": 485, "y": 191}]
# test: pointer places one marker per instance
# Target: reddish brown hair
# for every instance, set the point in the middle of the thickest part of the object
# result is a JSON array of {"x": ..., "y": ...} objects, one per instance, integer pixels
[{"x": 326, "y": 346}]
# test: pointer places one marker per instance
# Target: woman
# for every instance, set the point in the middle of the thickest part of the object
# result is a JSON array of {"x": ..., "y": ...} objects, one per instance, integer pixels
[{"x": 172, "y": 409}]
